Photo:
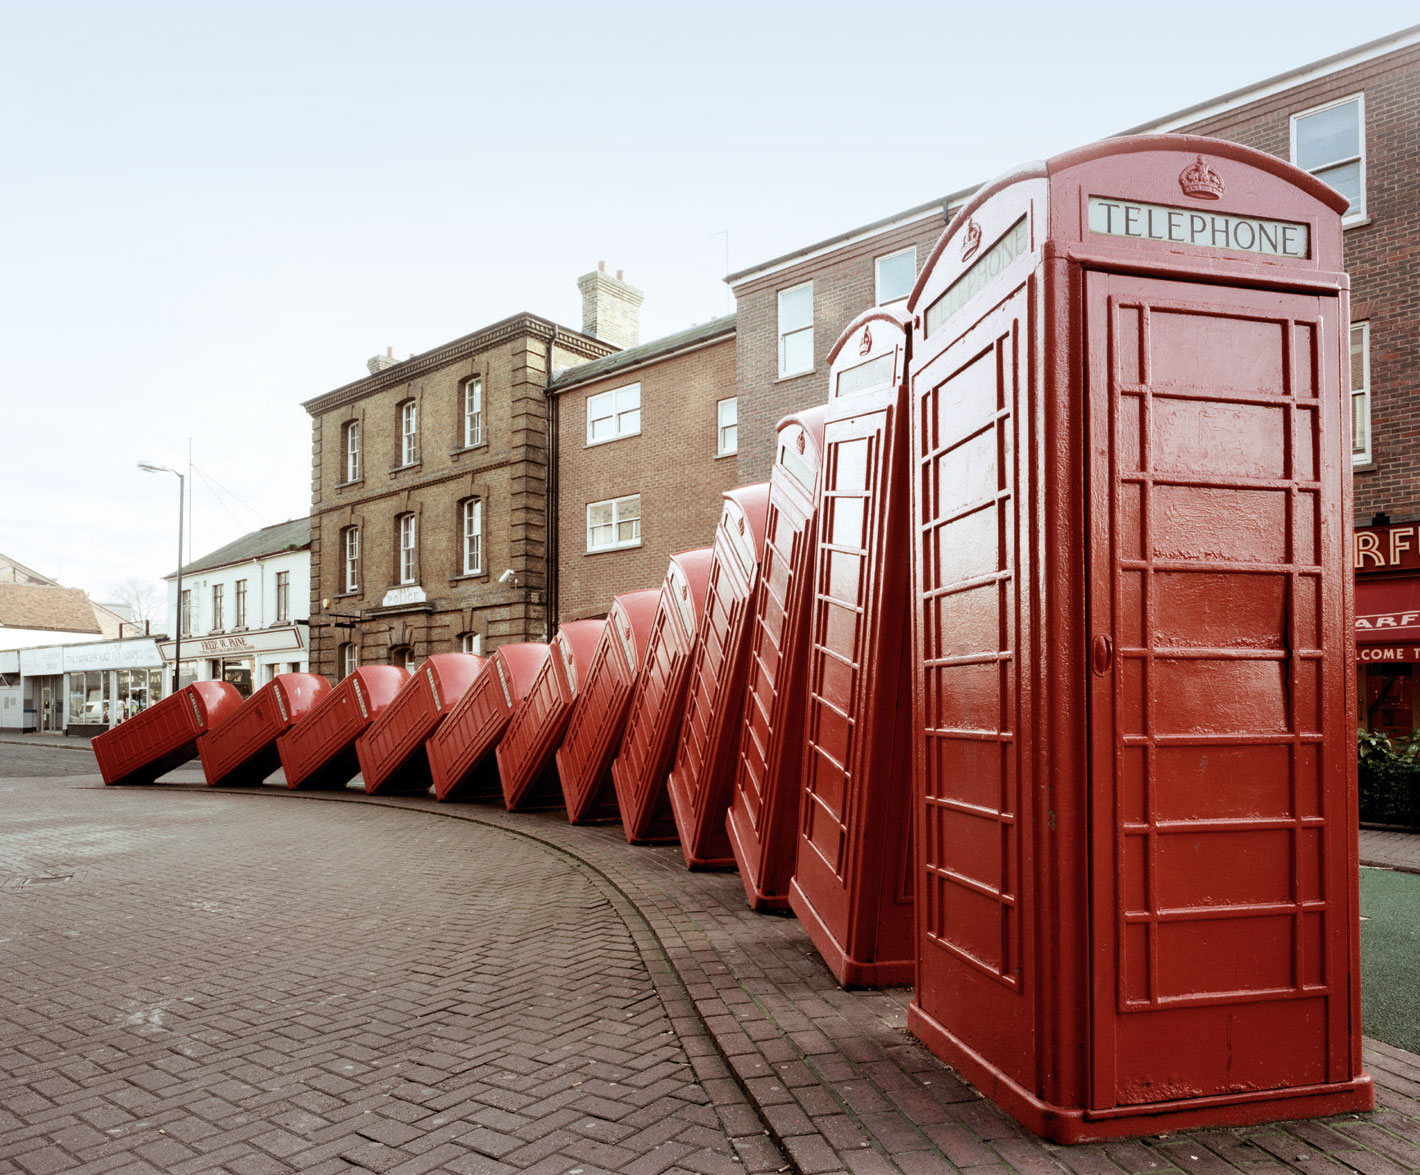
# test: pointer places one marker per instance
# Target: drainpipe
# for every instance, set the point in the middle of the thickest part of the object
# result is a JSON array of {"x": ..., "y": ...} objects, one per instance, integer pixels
[{"x": 552, "y": 480}]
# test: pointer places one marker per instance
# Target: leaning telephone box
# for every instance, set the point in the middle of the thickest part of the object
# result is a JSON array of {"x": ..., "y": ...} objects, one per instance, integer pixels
[
  {"x": 526, "y": 766},
  {"x": 462, "y": 751},
  {"x": 165, "y": 735},
  {"x": 242, "y": 750},
  {"x": 391, "y": 752},
  {"x": 703, "y": 775},
  {"x": 318, "y": 751},
  {"x": 852, "y": 884},
  {"x": 598, "y": 715},
  {"x": 764, "y": 805},
  {"x": 653, "y": 723},
  {"x": 1135, "y": 727}
]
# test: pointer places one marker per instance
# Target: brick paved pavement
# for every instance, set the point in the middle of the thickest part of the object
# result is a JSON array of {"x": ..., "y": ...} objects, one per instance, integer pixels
[{"x": 776, "y": 1045}]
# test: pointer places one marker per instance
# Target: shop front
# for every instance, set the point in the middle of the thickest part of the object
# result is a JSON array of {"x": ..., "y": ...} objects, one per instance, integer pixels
[
  {"x": 1386, "y": 559},
  {"x": 88, "y": 688},
  {"x": 245, "y": 660}
]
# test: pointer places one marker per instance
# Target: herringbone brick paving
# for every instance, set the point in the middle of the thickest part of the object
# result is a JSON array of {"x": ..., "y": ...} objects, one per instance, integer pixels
[{"x": 778, "y": 1047}]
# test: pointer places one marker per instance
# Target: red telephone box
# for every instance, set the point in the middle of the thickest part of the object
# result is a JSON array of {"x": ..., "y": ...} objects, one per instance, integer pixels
[
  {"x": 598, "y": 715},
  {"x": 852, "y": 884},
  {"x": 461, "y": 752},
  {"x": 1132, "y": 616},
  {"x": 764, "y": 804},
  {"x": 318, "y": 751},
  {"x": 165, "y": 735},
  {"x": 242, "y": 750},
  {"x": 391, "y": 751},
  {"x": 525, "y": 753},
  {"x": 703, "y": 774},
  {"x": 653, "y": 721}
]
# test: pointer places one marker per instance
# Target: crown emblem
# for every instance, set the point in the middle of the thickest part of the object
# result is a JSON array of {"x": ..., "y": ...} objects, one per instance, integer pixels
[
  {"x": 685, "y": 591},
  {"x": 742, "y": 526},
  {"x": 866, "y": 343},
  {"x": 1200, "y": 181},
  {"x": 799, "y": 442},
  {"x": 971, "y": 242}
]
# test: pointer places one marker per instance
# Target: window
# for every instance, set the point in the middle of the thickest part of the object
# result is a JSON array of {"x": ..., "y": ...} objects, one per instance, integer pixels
[
  {"x": 406, "y": 529},
  {"x": 796, "y": 330},
  {"x": 1330, "y": 142},
  {"x": 614, "y": 524},
  {"x": 1360, "y": 393},
  {"x": 471, "y": 642},
  {"x": 473, "y": 412},
  {"x": 471, "y": 529},
  {"x": 614, "y": 414},
  {"x": 350, "y": 544},
  {"x": 352, "y": 451},
  {"x": 185, "y": 614},
  {"x": 894, "y": 274},
  {"x": 408, "y": 433},
  {"x": 349, "y": 659},
  {"x": 241, "y": 603},
  {"x": 283, "y": 596},
  {"x": 727, "y": 426},
  {"x": 218, "y": 590},
  {"x": 403, "y": 657}
]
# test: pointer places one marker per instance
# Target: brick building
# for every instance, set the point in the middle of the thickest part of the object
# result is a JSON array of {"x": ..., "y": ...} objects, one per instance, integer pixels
[
  {"x": 647, "y": 440},
  {"x": 430, "y": 509}
]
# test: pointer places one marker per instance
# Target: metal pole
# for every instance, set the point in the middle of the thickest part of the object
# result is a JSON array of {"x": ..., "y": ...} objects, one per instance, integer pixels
[{"x": 177, "y": 647}]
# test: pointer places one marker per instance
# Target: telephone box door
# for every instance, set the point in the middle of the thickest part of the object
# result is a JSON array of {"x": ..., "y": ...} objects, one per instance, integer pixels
[{"x": 1218, "y": 787}]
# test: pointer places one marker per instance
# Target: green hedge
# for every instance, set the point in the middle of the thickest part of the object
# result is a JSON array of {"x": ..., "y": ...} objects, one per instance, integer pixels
[{"x": 1389, "y": 778}]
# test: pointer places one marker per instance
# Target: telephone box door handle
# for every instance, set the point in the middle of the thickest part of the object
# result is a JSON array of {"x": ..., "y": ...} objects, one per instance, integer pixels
[{"x": 1101, "y": 655}]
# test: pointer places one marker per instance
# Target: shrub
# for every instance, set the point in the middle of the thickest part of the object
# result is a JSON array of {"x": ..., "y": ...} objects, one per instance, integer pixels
[{"x": 1389, "y": 772}]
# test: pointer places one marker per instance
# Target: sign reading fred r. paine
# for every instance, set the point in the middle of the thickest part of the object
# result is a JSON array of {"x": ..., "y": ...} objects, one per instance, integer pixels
[{"x": 1205, "y": 230}]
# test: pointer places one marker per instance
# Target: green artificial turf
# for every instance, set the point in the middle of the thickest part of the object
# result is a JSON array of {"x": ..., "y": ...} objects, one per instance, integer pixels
[{"x": 1390, "y": 957}]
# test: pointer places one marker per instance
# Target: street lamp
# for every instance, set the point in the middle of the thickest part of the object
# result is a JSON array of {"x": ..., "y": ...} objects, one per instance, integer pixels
[{"x": 148, "y": 467}]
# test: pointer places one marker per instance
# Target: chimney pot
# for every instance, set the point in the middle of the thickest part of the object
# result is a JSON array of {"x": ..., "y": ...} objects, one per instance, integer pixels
[
  {"x": 621, "y": 275},
  {"x": 601, "y": 266}
]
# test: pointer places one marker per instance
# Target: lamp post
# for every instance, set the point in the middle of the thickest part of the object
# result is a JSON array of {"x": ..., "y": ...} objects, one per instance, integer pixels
[{"x": 148, "y": 467}]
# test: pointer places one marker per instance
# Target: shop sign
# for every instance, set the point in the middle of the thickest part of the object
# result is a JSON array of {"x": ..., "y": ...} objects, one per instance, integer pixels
[
  {"x": 1382, "y": 653},
  {"x": 1386, "y": 548},
  {"x": 1192, "y": 226},
  {"x": 140, "y": 654},
  {"x": 268, "y": 640}
]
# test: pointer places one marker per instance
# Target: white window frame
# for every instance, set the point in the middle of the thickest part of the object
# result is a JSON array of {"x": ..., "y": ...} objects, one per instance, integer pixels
[
  {"x": 1357, "y": 212},
  {"x": 1361, "y": 395},
  {"x": 283, "y": 597},
  {"x": 409, "y": 432},
  {"x": 241, "y": 604},
  {"x": 473, "y": 412},
  {"x": 349, "y": 659},
  {"x": 878, "y": 298},
  {"x": 471, "y": 536},
  {"x": 408, "y": 539},
  {"x": 618, "y": 505},
  {"x": 219, "y": 593},
  {"x": 185, "y": 612},
  {"x": 352, "y": 558},
  {"x": 795, "y": 331},
  {"x": 471, "y": 642},
  {"x": 727, "y": 433},
  {"x": 352, "y": 451},
  {"x": 617, "y": 405}
]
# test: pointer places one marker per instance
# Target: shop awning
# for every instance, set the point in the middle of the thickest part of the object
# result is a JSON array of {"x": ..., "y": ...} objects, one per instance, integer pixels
[{"x": 1388, "y": 614}]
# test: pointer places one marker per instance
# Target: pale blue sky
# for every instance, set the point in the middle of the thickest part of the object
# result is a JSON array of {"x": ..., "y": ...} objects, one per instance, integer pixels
[{"x": 208, "y": 216}]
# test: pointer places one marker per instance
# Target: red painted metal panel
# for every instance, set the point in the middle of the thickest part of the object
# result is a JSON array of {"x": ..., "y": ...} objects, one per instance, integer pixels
[
  {"x": 391, "y": 751},
  {"x": 242, "y": 750},
  {"x": 318, "y": 751},
  {"x": 461, "y": 752},
  {"x": 164, "y": 735},
  {"x": 764, "y": 806},
  {"x": 1133, "y": 687},
  {"x": 703, "y": 775},
  {"x": 658, "y": 702},
  {"x": 598, "y": 716},
  {"x": 852, "y": 885},
  {"x": 526, "y": 763}
]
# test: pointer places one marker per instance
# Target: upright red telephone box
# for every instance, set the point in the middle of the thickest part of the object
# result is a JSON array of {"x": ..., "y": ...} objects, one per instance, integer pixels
[
  {"x": 319, "y": 750},
  {"x": 242, "y": 750},
  {"x": 764, "y": 805},
  {"x": 703, "y": 774},
  {"x": 462, "y": 751},
  {"x": 599, "y": 713},
  {"x": 653, "y": 723},
  {"x": 526, "y": 766},
  {"x": 165, "y": 735},
  {"x": 852, "y": 884},
  {"x": 391, "y": 752},
  {"x": 1135, "y": 748}
]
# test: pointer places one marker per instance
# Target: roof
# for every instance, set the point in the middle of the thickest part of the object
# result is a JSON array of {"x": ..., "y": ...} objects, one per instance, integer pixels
[
  {"x": 686, "y": 340},
  {"x": 51, "y": 609},
  {"x": 270, "y": 540},
  {"x": 13, "y": 571}
]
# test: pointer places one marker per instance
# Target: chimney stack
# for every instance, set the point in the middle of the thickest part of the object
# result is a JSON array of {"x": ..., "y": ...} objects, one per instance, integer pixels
[
  {"x": 611, "y": 309},
  {"x": 380, "y": 362}
]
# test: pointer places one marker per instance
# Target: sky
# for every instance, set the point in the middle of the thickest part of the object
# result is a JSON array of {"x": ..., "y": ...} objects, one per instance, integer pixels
[{"x": 212, "y": 213}]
